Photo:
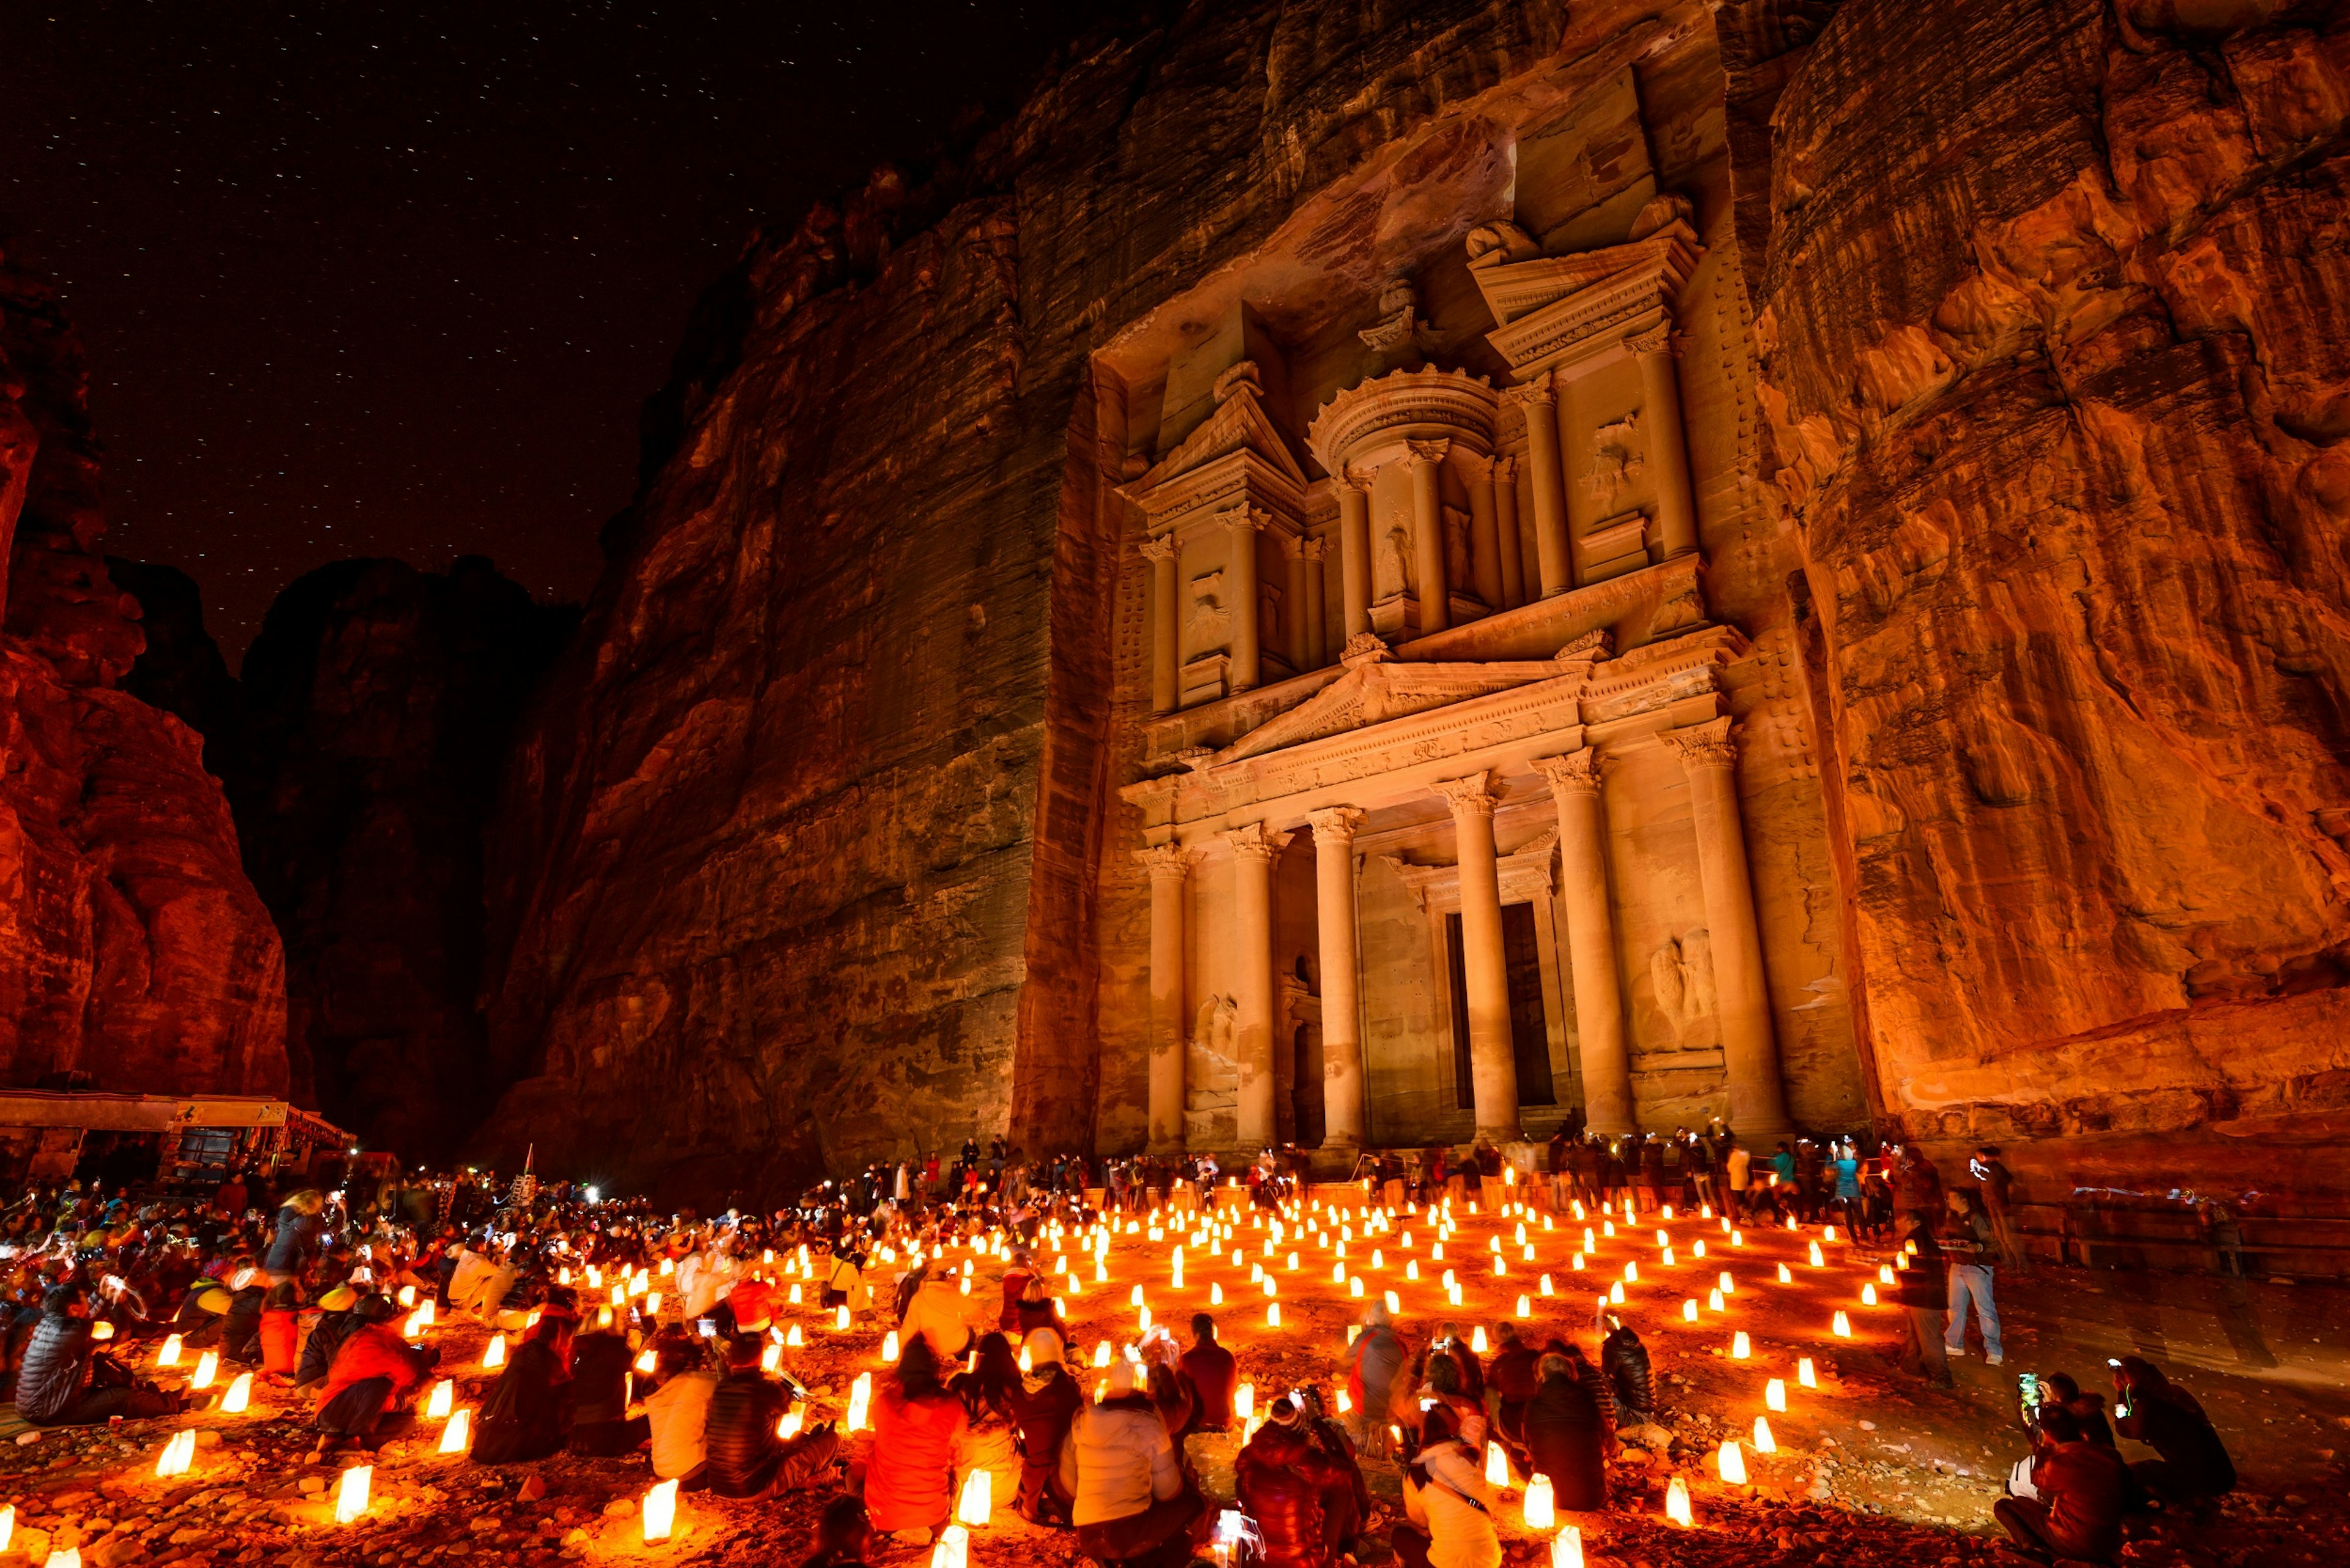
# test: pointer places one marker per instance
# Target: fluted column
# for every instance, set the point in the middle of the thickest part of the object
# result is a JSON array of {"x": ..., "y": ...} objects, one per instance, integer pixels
[
  {"x": 1591, "y": 940},
  {"x": 1354, "y": 549},
  {"x": 1166, "y": 648},
  {"x": 1428, "y": 532},
  {"x": 1505, "y": 523},
  {"x": 1661, "y": 394},
  {"x": 1317, "y": 607},
  {"x": 1551, "y": 547},
  {"x": 1346, "y": 1119},
  {"x": 1253, "y": 852},
  {"x": 1484, "y": 532},
  {"x": 1758, "y": 1100},
  {"x": 1484, "y": 968},
  {"x": 1241, "y": 569},
  {"x": 1292, "y": 550},
  {"x": 1169, "y": 865}
]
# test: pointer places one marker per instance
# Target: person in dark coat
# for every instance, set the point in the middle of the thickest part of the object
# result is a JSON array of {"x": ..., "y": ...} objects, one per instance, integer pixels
[
  {"x": 1567, "y": 1436},
  {"x": 2089, "y": 1409},
  {"x": 375, "y": 1375},
  {"x": 2158, "y": 1412},
  {"x": 600, "y": 1427},
  {"x": 1043, "y": 1408},
  {"x": 1281, "y": 1478},
  {"x": 1512, "y": 1375},
  {"x": 64, "y": 1379},
  {"x": 1624, "y": 1361},
  {"x": 300, "y": 1222},
  {"x": 241, "y": 1329},
  {"x": 1214, "y": 1373},
  {"x": 525, "y": 1414},
  {"x": 748, "y": 1458},
  {"x": 1922, "y": 1286}
]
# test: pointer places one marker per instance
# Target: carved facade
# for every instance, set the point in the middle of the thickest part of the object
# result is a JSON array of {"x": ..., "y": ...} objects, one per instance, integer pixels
[{"x": 1460, "y": 798}]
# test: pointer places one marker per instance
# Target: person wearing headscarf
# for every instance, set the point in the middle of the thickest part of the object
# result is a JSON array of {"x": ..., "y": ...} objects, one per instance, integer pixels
[
  {"x": 990, "y": 1393},
  {"x": 1372, "y": 1366},
  {"x": 918, "y": 1427},
  {"x": 1044, "y": 1407},
  {"x": 529, "y": 1407},
  {"x": 600, "y": 1424},
  {"x": 1567, "y": 1435}
]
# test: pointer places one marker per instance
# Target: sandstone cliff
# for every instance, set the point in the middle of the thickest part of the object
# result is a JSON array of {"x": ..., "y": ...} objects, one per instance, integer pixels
[
  {"x": 132, "y": 948},
  {"x": 2057, "y": 374}
]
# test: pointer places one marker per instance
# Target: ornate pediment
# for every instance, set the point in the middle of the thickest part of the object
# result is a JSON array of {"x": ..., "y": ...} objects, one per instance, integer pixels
[
  {"x": 1373, "y": 691},
  {"x": 1239, "y": 424},
  {"x": 1557, "y": 307}
]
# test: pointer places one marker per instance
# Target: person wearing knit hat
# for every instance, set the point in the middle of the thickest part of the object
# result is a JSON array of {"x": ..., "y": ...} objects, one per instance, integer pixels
[
  {"x": 1132, "y": 1503},
  {"x": 1046, "y": 1402}
]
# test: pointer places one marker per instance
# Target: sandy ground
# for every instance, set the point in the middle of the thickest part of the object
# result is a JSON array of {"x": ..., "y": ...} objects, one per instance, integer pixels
[{"x": 1870, "y": 1467}]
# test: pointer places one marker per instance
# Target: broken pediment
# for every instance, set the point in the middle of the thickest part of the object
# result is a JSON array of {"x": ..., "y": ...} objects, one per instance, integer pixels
[
  {"x": 1557, "y": 308},
  {"x": 1239, "y": 424}
]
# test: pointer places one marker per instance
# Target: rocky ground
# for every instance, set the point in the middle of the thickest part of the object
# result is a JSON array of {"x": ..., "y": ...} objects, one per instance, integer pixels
[{"x": 1870, "y": 1469}]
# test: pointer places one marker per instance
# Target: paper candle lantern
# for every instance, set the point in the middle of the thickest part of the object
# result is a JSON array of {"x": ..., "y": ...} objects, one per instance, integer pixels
[
  {"x": 1774, "y": 1395},
  {"x": 1843, "y": 1327},
  {"x": 1526, "y": 1307},
  {"x": 794, "y": 1419},
  {"x": 65, "y": 1557},
  {"x": 207, "y": 1365},
  {"x": 1677, "y": 1504},
  {"x": 840, "y": 1319},
  {"x": 976, "y": 1500},
  {"x": 1739, "y": 1349},
  {"x": 1215, "y": 1294},
  {"x": 351, "y": 1494},
  {"x": 795, "y": 1339},
  {"x": 1817, "y": 1261},
  {"x": 771, "y": 1355},
  {"x": 1497, "y": 1468},
  {"x": 1566, "y": 1547},
  {"x": 1762, "y": 1442},
  {"x": 889, "y": 1347},
  {"x": 660, "y": 1511},
  {"x": 1615, "y": 1293},
  {"x": 7, "y": 1524},
  {"x": 1786, "y": 1275},
  {"x": 1688, "y": 1310},
  {"x": 1273, "y": 1315},
  {"x": 170, "y": 1354},
  {"x": 1697, "y": 1248},
  {"x": 1804, "y": 1373},
  {"x": 1869, "y": 1295},
  {"x": 954, "y": 1548},
  {"x": 1731, "y": 1462},
  {"x": 860, "y": 1399},
  {"x": 1244, "y": 1400},
  {"x": 239, "y": 1394},
  {"x": 458, "y": 1433},
  {"x": 495, "y": 1356},
  {"x": 1713, "y": 1301},
  {"x": 1477, "y": 1339},
  {"x": 1541, "y": 1504},
  {"x": 177, "y": 1455}
]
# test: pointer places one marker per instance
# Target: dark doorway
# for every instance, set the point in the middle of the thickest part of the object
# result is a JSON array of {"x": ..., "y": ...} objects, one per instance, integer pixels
[
  {"x": 1307, "y": 1111},
  {"x": 1529, "y": 1034}
]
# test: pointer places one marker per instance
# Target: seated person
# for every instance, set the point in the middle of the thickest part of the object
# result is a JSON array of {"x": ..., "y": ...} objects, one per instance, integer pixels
[
  {"x": 600, "y": 1425},
  {"x": 1283, "y": 1479},
  {"x": 1043, "y": 1408},
  {"x": 844, "y": 1536},
  {"x": 1447, "y": 1502},
  {"x": 2081, "y": 1492},
  {"x": 1131, "y": 1503},
  {"x": 337, "y": 1322},
  {"x": 375, "y": 1375},
  {"x": 1567, "y": 1435},
  {"x": 1213, "y": 1374},
  {"x": 746, "y": 1457},
  {"x": 525, "y": 1414},
  {"x": 2156, "y": 1412},
  {"x": 65, "y": 1380},
  {"x": 918, "y": 1430},
  {"x": 677, "y": 1410}
]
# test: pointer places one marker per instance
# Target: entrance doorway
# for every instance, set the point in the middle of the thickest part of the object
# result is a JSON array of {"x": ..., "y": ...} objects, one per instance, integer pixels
[{"x": 1529, "y": 1033}]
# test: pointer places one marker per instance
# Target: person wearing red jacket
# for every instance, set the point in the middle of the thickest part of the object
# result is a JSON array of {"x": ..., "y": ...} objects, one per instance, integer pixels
[
  {"x": 2083, "y": 1490},
  {"x": 375, "y": 1375},
  {"x": 1283, "y": 1478},
  {"x": 281, "y": 1333}
]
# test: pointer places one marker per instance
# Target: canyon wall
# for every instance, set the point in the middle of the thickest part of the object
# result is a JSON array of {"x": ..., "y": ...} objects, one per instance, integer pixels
[
  {"x": 134, "y": 955},
  {"x": 2055, "y": 318}
]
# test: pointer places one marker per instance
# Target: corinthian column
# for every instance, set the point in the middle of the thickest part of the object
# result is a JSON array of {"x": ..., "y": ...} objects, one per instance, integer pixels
[
  {"x": 1485, "y": 969},
  {"x": 1345, "y": 1119},
  {"x": 1591, "y": 939},
  {"x": 1253, "y": 850},
  {"x": 1354, "y": 549},
  {"x": 1505, "y": 523},
  {"x": 1165, "y": 652},
  {"x": 1484, "y": 532},
  {"x": 1292, "y": 550},
  {"x": 1241, "y": 569},
  {"x": 1169, "y": 865},
  {"x": 1660, "y": 393},
  {"x": 1428, "y": 532},
  {"x": 1550, "y": 548},
  {"x": 1317, "y": 573},
  {"x": 1758, "y": 1100}
]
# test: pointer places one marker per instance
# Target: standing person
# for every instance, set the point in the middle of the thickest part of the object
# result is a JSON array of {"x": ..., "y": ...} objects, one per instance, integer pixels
[
  {"x": 2153, "y": 1410},
  {"x": 1131, "y": 1503},
  {"x": 1923, "y": 1288},
  {"x": 1845, "y": 1197},
  {"x": 1995, "y": 1187},
  {"x": 1447, "y": 1502},
  {"x": 1917, "y": 1189},
  {"x": 1967, "y": 1240},
  {"x": 1373, "y": 1364},
  {"x": 1741, "y": 1167},
  {"x": 1015, "y": 1282},
  {"x": 300, "y": 1222}
]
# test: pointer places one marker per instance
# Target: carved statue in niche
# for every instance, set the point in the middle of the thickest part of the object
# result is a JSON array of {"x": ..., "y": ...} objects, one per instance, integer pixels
[
  {"x": 1398, "y": 310},
  {"x": 1210, "y": 623},
  {"x": 1456, "y": 547},
  {"x": 1394, "y": 563},
  {"x": 1682, "y": 974},
  {"x": 1213, "y": 1030},
  {"x": 1500, "y": 244},
  {"x": 1616, "y": 462}
]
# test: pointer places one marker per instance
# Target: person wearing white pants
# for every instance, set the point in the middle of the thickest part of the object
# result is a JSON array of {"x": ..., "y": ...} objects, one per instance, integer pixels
[{"x": 1971, "y": 1246}]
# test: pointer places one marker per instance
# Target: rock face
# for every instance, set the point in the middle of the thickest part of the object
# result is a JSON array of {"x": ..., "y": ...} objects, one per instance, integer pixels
[
  {"x": 132, "y": 948},
  {"x": 374, "y": 713},
  {"x": 2057, "y": 373},
  {"x": 2012, "y": 387}
]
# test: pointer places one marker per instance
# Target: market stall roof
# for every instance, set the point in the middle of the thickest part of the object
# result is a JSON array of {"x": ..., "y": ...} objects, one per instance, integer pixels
[{"x": 156, "y": 1113}]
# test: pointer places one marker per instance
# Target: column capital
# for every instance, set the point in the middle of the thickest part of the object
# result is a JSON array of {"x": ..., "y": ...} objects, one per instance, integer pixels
[
  {"x": 1336, "y": 825},
  {"x": 1465, "y": 796},
  {"x": 1165, "y": 862},
  {"x": 1293, "y": 546},
  {"x": 1658, "y": 339},
  {"x": 1364, "y": 647},
  {"x": 1475, "y": 469},
  {"x": 1574, "y": 773},
  {"x": 1706, "y": 745},
  {"x": 1255, "y": 841},
  {"x": 1537, "y": 390},
  {"x": 1354, "y": 481},
  {"x": 1505, "y": 471},
  {"x": 1428, "y": 451},
  {"x": 1315, "y": 549},
  {"x": 1162, "y": 549},
  {"x": 1249, "y": 517}
]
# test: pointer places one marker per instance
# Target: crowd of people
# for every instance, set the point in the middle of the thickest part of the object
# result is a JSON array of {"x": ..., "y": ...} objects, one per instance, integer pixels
[{"x": 307, "y": 1290}]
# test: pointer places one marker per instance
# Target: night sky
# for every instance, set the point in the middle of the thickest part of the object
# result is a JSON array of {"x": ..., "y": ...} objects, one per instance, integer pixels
[{"x": 362, "y": 279}]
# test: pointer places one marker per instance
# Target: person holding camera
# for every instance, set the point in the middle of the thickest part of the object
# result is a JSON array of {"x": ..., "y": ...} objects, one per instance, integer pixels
[
  {"x": 66, "y": 1380},
  {"x": 2079, "y": 1493}
]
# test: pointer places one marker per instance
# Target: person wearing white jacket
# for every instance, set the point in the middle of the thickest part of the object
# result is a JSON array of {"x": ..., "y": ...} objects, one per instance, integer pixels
[
  {"x": 1131, "y": 1504},
  {"x": 1446, "y": 1497}
]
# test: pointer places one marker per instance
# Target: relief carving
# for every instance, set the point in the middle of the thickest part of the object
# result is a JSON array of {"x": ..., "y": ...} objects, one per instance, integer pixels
[
  {"x": 1616, "y": 462},
  {"x": 1210, "y": 623},
  {"x": 1682, "y": 974},
  {"x": 1456, "y": 546},
  {"x": 1213, "y": 1031}
]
